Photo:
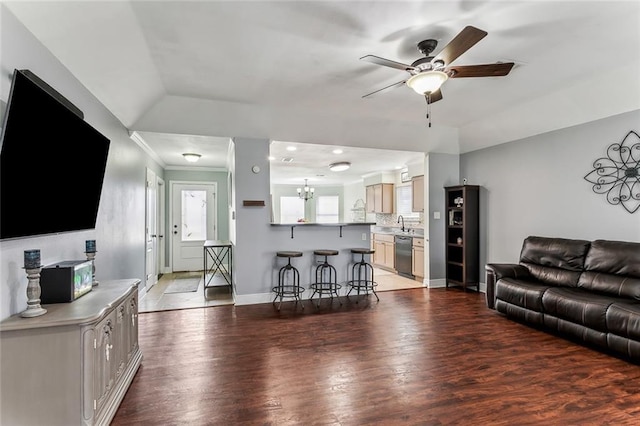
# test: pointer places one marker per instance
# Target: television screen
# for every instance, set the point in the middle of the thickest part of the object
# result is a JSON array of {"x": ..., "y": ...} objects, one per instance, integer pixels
[{"x": 52, "y": 163}]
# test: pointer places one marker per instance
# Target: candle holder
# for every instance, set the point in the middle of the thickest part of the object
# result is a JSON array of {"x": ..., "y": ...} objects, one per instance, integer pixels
[
  {"x": 33, "y": 293},
  {"x": 91, "y": 255}
]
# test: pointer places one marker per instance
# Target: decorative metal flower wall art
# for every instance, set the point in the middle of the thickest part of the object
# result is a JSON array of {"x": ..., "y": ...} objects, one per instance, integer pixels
[{"x": 618, "y": 174}]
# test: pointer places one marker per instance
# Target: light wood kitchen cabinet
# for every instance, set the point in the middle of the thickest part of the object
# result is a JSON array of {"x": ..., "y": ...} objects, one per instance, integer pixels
[
  {"x": 380, "y": 198},
  {"x": 417, "y": 194},
  {"x": 74, "y": 364},
  {"x": 385, "y": 251},
  {"x": 417, "y": 257},
  {"x": 371, "y": 199}
]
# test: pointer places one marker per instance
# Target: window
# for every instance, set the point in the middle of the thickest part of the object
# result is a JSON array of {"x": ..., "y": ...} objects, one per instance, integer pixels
[
  {"x": 291, "y": 209},
  {"x": 194, "y": 215},
  {"x": 328, "y": 209},
  {"x": 404, "y": 202}
]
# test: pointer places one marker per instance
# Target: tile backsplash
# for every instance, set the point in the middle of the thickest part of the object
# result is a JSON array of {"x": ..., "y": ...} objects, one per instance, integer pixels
[{"x": 392, "y": 219}]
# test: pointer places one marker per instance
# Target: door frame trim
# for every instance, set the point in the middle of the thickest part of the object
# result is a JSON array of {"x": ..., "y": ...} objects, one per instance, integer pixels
[
  {"x": 168, "y": 229},
  {"x": 151, "y": 179}
]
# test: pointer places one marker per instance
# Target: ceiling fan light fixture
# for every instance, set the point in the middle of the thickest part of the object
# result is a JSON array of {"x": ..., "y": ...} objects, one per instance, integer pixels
[
  {"x": 340, "y": 166},
  {"x": 191, "y": 157},
  {"x": 427, "y": 82}
]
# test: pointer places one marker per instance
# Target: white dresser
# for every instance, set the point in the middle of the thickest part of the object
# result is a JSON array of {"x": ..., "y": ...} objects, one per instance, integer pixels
[{"x": 73, "y": 365}]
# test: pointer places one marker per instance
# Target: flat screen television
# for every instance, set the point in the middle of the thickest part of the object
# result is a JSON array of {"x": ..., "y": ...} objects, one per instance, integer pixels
[{"x": 52, "y": 163}]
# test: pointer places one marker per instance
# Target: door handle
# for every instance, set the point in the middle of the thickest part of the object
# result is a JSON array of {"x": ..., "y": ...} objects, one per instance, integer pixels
[{"x": 175, "y": 232}]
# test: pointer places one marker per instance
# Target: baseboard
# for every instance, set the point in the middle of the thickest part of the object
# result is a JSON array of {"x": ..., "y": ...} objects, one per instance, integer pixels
[
  {"x": 439, "y": 283},
  {"x": 252, "y": 299}
]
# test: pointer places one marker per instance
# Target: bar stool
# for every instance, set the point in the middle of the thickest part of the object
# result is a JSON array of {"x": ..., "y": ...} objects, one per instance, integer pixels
[
  {"x": 288, "y": 288},
  {"x": 326, "y": 277},
  {"x": 362, "y": 274}
]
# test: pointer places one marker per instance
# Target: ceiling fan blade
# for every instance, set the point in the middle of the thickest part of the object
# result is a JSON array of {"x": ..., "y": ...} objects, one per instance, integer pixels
[
  {"x": 434, "y": 97},
  {"x": 398, "y": 84},
  {"x": 460, "y": 44},
  {"x": 487, "y": 70},
  {"x": 386, "y": 62}
]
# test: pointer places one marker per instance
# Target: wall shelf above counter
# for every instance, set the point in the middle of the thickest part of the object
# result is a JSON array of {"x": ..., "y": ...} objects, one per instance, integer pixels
[{"x": 333, "y": 225}]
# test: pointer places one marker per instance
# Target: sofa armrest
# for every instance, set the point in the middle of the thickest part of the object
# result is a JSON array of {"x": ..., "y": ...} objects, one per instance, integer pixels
[{"x": 496, "y": 271}]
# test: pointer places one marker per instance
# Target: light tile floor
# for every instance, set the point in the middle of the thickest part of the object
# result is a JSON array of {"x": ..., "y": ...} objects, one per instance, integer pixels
[
  {"x": 156, "y": 300},
  {"x": 391, "y": 281}
]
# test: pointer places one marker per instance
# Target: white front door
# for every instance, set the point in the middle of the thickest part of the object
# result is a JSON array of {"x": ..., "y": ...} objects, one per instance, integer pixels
[
  {"x": 151, "y": 230},
  {"x": 193, "y": 220}
]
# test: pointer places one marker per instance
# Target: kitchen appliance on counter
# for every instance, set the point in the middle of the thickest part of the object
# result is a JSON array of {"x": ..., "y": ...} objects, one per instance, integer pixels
[{"x": 403, "y": 244}]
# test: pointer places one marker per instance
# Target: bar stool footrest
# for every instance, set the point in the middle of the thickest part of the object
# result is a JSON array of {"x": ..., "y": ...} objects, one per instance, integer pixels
[
  {"x": 288, "y": 290},
  {"x": 366, "y": 284},
  {"x": 325, "y": 287}
]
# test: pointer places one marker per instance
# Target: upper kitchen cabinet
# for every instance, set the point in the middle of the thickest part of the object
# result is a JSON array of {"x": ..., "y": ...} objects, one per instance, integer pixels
[
  {"x": 380, "y": 198},
  {"x": 417, "y": 194}
]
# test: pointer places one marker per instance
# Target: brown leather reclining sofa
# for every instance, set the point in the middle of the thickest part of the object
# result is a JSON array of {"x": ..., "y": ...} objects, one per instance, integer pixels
[{"x": 589, "y": 290}]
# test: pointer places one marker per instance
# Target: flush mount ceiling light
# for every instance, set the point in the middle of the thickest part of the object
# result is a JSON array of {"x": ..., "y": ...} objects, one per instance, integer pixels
[
  {"x": 427, "y": 82},
  {"x": 337, "y": 151},
  {"x": 191, "y": 157},
  {"x": 340, "y": 166}
]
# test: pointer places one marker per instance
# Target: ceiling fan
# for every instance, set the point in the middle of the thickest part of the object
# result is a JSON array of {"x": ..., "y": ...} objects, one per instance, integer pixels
[{"x": 427, "y": 74}]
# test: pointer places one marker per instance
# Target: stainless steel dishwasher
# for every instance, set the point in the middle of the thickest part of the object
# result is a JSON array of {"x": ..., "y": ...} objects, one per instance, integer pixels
[{"x": 403, "y": 255}]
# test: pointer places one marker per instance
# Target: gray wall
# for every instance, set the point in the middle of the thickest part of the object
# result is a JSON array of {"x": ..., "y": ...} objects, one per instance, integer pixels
[
  {"x": 536, "y": 186},
  {"x": 120, "y": 224}
]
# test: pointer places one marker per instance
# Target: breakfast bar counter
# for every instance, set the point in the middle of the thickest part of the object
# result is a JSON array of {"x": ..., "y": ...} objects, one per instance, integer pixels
[{"x": 339, "y": 225}]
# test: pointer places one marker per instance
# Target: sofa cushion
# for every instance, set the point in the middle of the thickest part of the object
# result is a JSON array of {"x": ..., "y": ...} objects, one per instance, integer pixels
[
  {"x": 616, "y": 285},
  {"x": 523, "y": 293},
  {"x": 579, "y": 306},
  {"x": 612, "y": 267},
  {"x": 614, "y": 257},
  {"x": 623, "y": 319},
  {"x": 555, "y": 261}
]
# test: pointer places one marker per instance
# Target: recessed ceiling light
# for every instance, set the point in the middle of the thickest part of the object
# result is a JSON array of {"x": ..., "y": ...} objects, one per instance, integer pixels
[
  {"x": 191, "y": 157},
  {"x": 337, "y": 151},
  {"x": 271, "y": 158},
  {"x": 291, "y": 148},
  {"x": 339, "y": 167},
  {"x": 398, "y": 167}
]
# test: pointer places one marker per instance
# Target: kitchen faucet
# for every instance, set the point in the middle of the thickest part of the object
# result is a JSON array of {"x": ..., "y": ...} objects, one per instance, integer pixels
[{"x": 401, "y": 218}]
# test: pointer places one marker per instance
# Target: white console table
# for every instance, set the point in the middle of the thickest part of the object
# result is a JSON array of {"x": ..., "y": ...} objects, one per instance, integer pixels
[{"x": 73, "y": 365}]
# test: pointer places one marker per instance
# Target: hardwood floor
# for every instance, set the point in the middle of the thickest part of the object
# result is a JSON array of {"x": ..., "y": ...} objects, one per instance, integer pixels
[{"x": 417, "y": 357}]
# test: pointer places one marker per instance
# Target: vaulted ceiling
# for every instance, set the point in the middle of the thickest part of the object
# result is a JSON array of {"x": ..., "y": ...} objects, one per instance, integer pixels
[{"x": 290, "y": 71}]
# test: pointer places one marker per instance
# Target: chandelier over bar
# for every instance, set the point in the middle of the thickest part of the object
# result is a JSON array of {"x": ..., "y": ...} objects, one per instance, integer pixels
[{"x": 306, "y": 193}]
